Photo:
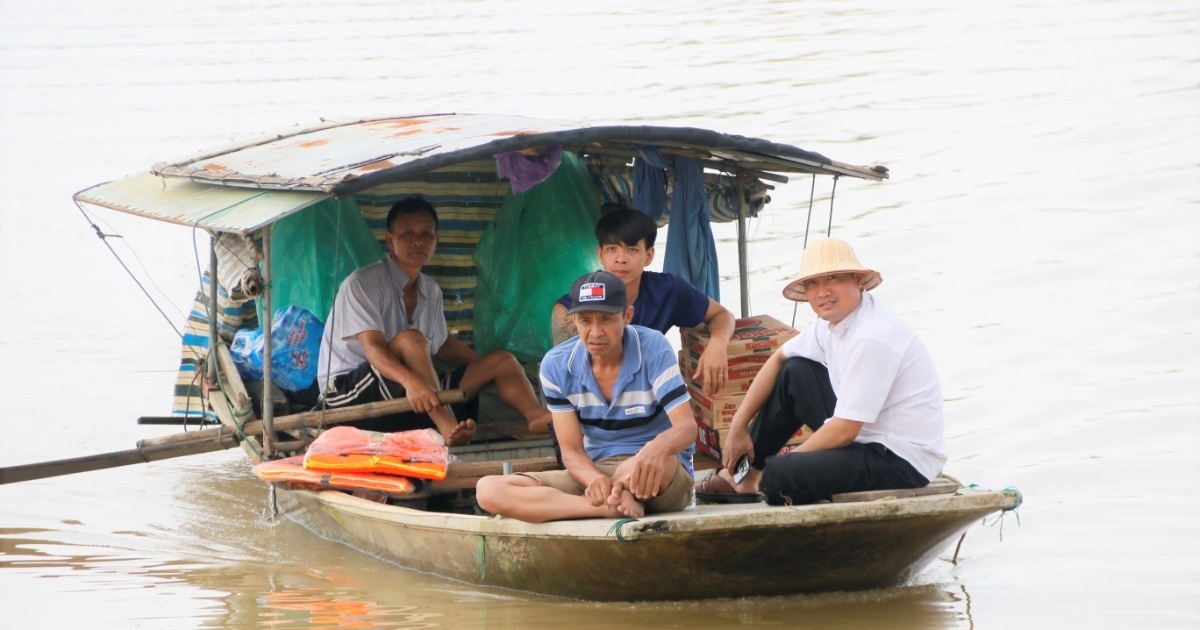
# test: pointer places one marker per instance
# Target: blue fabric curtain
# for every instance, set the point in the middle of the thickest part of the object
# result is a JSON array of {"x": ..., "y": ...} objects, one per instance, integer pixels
[
  {"x": 650, "y": 182},
  {"x": 691, "y": 250}
]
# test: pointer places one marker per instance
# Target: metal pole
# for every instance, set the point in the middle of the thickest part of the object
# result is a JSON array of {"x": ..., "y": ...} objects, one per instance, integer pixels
[
  {"x": 214, "y": 320},
  {"x": 268, "y": 406},
  {"x": 743, "y": 263}
]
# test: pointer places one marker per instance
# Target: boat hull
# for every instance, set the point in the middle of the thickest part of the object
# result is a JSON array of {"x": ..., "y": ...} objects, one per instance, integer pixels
[{"x": 704, "y": 552}]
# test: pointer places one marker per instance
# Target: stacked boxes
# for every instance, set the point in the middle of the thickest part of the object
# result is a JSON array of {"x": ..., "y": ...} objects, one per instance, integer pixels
[
  {"x": 742, "y": 371},
  {"x": 757, "y": 336},
  {"x": 754, "y": 340}
]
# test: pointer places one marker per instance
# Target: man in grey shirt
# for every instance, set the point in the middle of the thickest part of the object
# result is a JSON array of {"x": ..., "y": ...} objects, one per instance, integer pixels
[{"x": 387, "y": 323}]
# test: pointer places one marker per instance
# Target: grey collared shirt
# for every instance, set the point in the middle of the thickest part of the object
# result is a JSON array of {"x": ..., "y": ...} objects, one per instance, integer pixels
[{"x": 371, "y": 299}]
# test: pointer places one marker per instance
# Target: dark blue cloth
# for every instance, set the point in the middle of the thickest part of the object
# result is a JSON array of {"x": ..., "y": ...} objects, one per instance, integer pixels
[
  {"x": 664, "y": 300},
  {"x": 650, "y": 182},
  {"x": 691, "y": 250}
]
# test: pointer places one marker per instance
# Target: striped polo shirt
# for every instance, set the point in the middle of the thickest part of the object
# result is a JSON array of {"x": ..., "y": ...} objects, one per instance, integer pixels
[
  {"x": 648, "y": 386},
  {"x": 370, "y": 299}
]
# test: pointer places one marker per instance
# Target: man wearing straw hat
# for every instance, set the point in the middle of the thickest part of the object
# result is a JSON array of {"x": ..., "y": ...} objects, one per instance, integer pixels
[{"x": 859, "y": 377}]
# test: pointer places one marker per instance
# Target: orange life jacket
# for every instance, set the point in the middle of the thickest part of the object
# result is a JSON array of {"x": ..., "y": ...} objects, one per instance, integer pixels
[
  {"x": 421, "y": 453},
  {"x": 292, "y": 471}
]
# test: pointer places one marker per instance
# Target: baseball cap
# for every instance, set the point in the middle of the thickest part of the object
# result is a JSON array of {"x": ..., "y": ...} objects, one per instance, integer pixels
[{"x": 598, "y": 291}]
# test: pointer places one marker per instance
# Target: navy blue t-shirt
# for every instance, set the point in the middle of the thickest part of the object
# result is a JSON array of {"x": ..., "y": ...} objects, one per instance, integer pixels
[{"x": 664, "y": 300}]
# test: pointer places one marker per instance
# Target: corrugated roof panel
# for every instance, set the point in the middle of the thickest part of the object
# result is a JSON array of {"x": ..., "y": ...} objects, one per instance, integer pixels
[
  {"x": 320, "y": 157},
  {"x": 346, "y": 157},
  {"x": 219, "y": 208}
]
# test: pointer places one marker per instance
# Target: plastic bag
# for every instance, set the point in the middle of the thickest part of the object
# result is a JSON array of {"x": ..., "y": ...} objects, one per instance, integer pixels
[
  {"x": 295, "y": 347},
  {"x": 420, "y": 453},
  {"x": 247, "y": 350}
]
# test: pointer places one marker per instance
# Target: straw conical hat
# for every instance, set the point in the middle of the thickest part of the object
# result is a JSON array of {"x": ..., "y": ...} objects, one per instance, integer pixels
[{"x": 825, "y": 257}]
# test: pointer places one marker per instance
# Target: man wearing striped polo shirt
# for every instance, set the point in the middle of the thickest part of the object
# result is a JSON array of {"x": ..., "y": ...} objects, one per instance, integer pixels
[
  {"x": 622, "y": 418},
  {"x": 385, "y": 325}
]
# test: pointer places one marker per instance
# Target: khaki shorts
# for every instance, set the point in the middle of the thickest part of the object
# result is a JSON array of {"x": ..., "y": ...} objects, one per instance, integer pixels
[{"x": 677, "y": 495}]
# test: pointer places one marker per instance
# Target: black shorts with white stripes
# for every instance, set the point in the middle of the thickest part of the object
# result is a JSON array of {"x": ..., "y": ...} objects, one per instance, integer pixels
[{"x": 364, "y": 384}]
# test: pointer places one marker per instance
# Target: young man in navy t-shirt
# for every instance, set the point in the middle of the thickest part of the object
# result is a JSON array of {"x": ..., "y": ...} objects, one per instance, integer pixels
[{"x": 625, "y": 239}]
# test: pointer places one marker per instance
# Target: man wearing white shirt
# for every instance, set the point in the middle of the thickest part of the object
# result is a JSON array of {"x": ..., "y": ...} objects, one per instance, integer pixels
[{"x": 859, "y": 377}]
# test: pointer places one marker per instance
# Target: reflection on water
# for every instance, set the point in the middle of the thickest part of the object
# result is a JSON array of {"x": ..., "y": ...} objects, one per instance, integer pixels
[{"x": 1039, "y": 231}]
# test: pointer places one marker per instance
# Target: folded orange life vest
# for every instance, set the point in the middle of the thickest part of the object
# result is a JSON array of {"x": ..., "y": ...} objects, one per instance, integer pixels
[
  {"x": 292, "y": 471},
  {"x": 421, "y": 453}
]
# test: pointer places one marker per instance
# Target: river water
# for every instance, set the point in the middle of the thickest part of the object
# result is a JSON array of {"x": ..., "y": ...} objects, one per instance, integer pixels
[{"x": 1041, "y": 231}]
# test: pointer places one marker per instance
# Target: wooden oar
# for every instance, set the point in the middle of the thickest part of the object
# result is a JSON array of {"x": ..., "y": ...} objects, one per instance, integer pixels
[{"x": 208, "y": 440}]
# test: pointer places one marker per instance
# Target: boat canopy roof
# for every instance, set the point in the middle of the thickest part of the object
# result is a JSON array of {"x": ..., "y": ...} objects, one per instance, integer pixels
[
  {"x": 244, "y": 186},
  {"x": 216, "y": 208}
]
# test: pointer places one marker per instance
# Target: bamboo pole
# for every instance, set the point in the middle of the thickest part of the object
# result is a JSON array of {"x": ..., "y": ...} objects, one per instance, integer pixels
[
  {"x": 213, "y": 310},
  {"x": 313, "y": 418},
  {"x": 41, "y": 470},
  {"x": 208, "y": 440},
  {"x": 268, "y": 405}
]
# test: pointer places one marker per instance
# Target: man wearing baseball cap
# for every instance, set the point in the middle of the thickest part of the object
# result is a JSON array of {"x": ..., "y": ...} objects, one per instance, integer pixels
[
  {"x": 859, "y": 377},
  {"x": 620, "y": 411}
]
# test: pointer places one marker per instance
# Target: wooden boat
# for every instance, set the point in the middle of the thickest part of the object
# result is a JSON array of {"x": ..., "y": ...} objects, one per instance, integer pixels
[{"x": 865, "y": 541}]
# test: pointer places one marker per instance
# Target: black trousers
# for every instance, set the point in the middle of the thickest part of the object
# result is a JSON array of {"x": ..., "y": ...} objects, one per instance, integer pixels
[{"x": 803, "y": 395}]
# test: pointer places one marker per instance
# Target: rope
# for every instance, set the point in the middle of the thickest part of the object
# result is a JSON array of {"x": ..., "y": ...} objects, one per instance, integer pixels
[
  {"x": 616, "y": 529},
  {"x": 104, "y": 239},
  {"x": 812, "y": 192},
  {"x": 1000, "y": 519},
  {"x": 1020, "y": 497},
  {"x": 832, "y": 194}
]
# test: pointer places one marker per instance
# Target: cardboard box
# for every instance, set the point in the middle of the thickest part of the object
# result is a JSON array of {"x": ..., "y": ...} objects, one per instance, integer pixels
[
  {"x": 745, "y": 366},
  {"x": 714, "y": 411},
  {"x": 708, "y": 440},
  {"x": 740, "y": 374},
  {"x": 803, "y": 434},
  {"x": 758, "y": 335},
  {"x": 738, "y": 382}
]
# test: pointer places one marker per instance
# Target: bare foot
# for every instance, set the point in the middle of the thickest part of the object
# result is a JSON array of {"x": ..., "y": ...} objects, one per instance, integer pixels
[
  {"x": 746, "y": 486},
  {"x": 630, "y": 507},
  {"x": 624, "y": 502},
  {"x": 462, "y": 433}
]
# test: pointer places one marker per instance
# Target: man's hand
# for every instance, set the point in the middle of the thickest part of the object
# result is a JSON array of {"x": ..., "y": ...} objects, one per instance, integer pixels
[
  {"x": 422, "y": 398},
  {"x": 737, "y": 443},
  {"x": 646, "y": 477},
  {"x": 598, "y": 490},
  {"x": 642, "y": 475},
  {"x": 712, "y": 371}
]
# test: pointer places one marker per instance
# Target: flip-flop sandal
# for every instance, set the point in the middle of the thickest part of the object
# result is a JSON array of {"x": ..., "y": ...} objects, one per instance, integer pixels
[{"x": 716, "y": 489}]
